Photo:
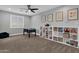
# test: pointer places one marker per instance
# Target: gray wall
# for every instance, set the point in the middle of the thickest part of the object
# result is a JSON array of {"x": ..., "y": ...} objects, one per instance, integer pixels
[
  {"x": 36, "y": 22},
  {"x": 36, "y": 19},
  {"x": 5, "y": 23}
]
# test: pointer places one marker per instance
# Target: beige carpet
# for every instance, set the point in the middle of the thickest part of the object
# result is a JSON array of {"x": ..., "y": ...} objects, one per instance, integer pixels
[{"x": 23, "y": 44}]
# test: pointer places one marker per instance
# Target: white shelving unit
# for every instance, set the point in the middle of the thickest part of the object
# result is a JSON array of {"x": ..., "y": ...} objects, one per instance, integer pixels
[
  {"x": 64, "y": 35},
  {"x": 46, "y": 32}
]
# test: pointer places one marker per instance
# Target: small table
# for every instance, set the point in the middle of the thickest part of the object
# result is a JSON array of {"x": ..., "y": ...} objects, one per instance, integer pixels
[{"x": 29, "y": 31}]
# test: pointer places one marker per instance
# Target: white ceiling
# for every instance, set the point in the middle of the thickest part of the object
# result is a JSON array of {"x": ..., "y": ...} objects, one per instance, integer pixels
[{"x": 19, "y": 8}]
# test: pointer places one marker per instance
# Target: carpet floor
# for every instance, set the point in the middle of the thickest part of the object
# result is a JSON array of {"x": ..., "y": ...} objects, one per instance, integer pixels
[{"x": 23, "y": 44}]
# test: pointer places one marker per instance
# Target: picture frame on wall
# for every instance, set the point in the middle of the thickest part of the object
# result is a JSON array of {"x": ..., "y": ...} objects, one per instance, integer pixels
[
  {"x": 73, "y": 14},
  {"x": 59, "y": 16},
  {"x": 50, "y": 18},
  {"x": 43, "y": 18}
]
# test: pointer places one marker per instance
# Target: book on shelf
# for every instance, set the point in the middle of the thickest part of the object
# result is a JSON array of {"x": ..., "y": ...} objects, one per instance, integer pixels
[
  {"x": 60, "y": 39},
  {"x": 73, "y": 43},
  {"x": 60, "y": 34},
  {"x": 74, "y": 30},
  {"x": 50, "y": 32},
  {"x": 74, "y": 37},
  {"x": 66, "y": 35},
  {"x": 50, "y": 28},
  {"x": 60, "y": 29},
  {"x": 50, "y": 37},
  {"x": 55, "y": 38},
  {"x": 66, "y": 29}
]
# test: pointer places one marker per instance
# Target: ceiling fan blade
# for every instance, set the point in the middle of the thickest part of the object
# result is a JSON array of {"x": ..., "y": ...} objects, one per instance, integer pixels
[{"x": 34, "y": 9}]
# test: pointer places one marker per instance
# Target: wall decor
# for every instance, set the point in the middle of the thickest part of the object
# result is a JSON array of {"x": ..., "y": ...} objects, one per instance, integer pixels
[
  {"x": 59, "y": 15},
  {"x": 50, "y": 18},
  {"x": 43, "y": 18},
  {"x": 73, "y": 14}
]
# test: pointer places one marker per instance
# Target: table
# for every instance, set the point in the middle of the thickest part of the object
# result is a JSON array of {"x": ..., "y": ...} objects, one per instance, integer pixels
[{"x": 31, "y": 30}]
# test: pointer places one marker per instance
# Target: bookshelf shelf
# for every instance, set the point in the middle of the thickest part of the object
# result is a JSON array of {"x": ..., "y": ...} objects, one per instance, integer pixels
[{"x": 64, "y": 35}]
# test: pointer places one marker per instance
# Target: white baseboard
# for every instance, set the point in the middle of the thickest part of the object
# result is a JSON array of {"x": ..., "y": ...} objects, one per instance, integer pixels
[
  {"x": 22, "y": 33},
  {"x": 36, "y": 33},
  {"x": 16, "y": 34}
]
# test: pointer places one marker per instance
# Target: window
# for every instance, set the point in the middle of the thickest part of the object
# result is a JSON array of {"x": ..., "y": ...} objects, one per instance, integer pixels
[{"x": 16, "y": 21}]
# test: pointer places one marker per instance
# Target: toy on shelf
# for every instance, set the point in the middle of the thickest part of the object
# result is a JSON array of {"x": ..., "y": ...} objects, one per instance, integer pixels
[
  {"x": 66, "y": 29},
  {"x": 60, "y": 39},
  {"x": 60, "y": 29},
  {"x": 55, "y": 38},
  {"x": 55, "y": 29},
  {"x": 66, "y": 35},
  {"x": 73, "y": 43},
  {"x": 74, "y": 30},
  {"x": 74, "y": 37}
]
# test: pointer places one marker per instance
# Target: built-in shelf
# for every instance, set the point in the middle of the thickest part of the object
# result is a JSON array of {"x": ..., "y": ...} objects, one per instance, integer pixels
[{"x": 65, "y": 35}]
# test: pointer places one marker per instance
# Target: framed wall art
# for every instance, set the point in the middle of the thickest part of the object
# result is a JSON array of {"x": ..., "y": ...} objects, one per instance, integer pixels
[
  {"x": 50, "y": 18},
  {"x": 43, "y": 18},
  {"x": 59, "y": 16},
  {"x": 73, "y": 14}
]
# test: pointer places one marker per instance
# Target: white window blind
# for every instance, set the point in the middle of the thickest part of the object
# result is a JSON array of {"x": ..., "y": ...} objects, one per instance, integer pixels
[{"x": 16, "y": 21}]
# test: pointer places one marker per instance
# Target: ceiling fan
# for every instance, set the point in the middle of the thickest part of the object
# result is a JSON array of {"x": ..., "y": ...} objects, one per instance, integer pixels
[{"x": 30, "y": 9}]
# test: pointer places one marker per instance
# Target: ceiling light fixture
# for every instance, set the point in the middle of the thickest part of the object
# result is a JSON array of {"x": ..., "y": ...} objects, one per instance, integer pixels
[
  {"x": 28, "y": 12},
  {"x": 29, "y": 9}
]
